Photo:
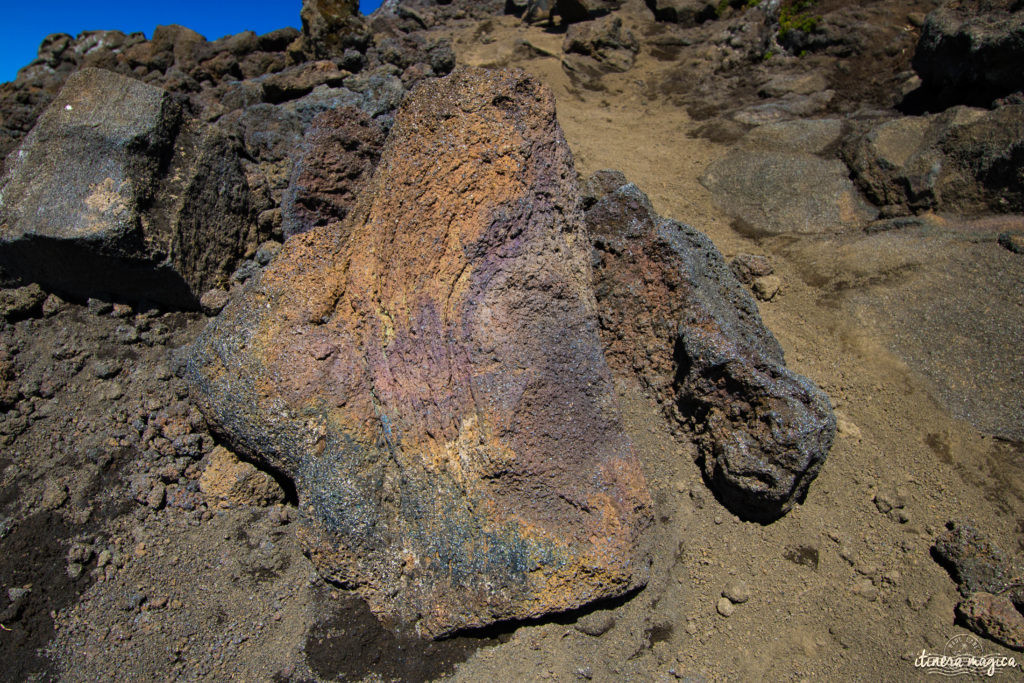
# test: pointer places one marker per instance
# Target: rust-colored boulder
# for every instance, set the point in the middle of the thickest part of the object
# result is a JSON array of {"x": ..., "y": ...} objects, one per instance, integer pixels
[
  {"x": 430, "y": 374},
  {"x": 674, "y": 316},
  {"x": 227, "y": 482}
]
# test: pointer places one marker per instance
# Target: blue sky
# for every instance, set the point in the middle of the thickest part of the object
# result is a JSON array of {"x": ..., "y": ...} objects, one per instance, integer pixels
[{"x": 25, "y": 24}]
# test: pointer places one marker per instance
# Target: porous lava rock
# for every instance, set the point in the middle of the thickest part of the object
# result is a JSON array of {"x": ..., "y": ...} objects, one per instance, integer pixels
[
  {"x": 674, "y": 316},
  {"x": 430, "y": 374},
  {"x": 117, "y": 191},
  {"x": 337, "y": 157},
  {"x": 329, "y": 27}
]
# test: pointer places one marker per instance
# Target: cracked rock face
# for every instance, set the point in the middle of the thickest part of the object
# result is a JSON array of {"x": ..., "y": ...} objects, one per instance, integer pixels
[
  {"x": 117, "y": 191},
  {"x": 431, "y": 375},
  {"x": 673, "y": 314}
]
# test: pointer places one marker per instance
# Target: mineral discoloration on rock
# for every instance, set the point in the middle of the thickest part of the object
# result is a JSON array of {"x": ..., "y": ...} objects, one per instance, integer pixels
[
  {"x": 674, "y": 315},
  {"x": 430, "y": 374}
]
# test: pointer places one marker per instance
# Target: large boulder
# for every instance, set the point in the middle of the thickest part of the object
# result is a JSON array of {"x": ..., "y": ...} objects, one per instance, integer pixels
[
  {"x": 674, "y": 316},
  {"x": 116, "y": 191},
  {"x": 430, "y": 374},
  {"x": 965, "y": 160},
  {"x": 970, "y": 51}
]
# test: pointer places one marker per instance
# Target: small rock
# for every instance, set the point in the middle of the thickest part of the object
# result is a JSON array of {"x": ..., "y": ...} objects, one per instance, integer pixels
[
  {"x": 52, "y": 305},
  {"x": 866, "y": 589},
  {"x": 126, "y": 334},
  {"x": 738, "y": 592},
  {"x": 214, "y": 301},
  {"x": 995, "y": 617},
  {"x": 1014, "y": 241},
  {"x": 246, "y": 269},
  {"x": 112, "y": 392},
  {"x": 767, "y": 287},
  {"x": 105, "y": 369},
  {"x": 691, "y": 627},
  {"x": 22, "y": 302},
  {"x": 156, "y": 496},
  {"x": 595, "y": 624},
  {"x": 103, "y": 559},
  {"x": 267, "y": 251},
  {"x": 725, "y": 607},
  {"x": 55, "y": 494},
  {"x": 99, "y": 306},
  {"x": 746, "y": 267},
  {"x": 121, "y": 310},
  {"x": 888, "y": 499},
  {"x": 227, "y": 481},
  {"x": 846, "y": 428},
  {"x": 74, "y": 570},
  {"x": 16, "y": 594}
]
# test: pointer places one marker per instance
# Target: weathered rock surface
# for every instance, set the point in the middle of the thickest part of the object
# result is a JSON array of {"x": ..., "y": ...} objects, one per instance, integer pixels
[
  {"x": 776, "y": 192},
  {"x": 995, "y": 617},
  {"x": 596, "y": 47},
  {"x": 227, "y": 482},
  {"x": 337, "y": 157},
  {"x": 685, "y": 12},
  {"x": 329, "y": 27},
  {"x": 991, "y": 584},
  {"x": 430, "y": 374},
  {"x": 674, "y": 315},
  {"x": 970, "y": 51},
  {"x": 117, "y": 192},
  {"x": 965, "y": 160}
]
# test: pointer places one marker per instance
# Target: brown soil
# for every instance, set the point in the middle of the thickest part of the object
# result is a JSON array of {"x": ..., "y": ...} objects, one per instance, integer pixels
[{"x": 839, "y": 590}]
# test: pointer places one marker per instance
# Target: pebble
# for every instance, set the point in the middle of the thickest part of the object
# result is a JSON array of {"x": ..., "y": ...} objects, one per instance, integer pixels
[
  {"x": 99, "y": 307},
  {"x": 105, "y": 369},
  {"x": 738, "y": 592},
  {"x": 595, "y": 624},
  {"x": 767, "y": 287},
  {"x": 155, "y": 499},
  {"x": 725, "y": 607},
  {"x": 214, "y": 301},
  {"x": 691, "y": 627}
]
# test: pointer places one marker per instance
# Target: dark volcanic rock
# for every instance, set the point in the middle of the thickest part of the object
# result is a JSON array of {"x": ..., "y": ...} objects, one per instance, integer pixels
[
  {"x": 974, "y": 561},
  {"x": 685, "y": 12},
  {"x": 673, "y": 314},
  {"x": 337, "y": 157},
  {"x": 329, "y": 27},
  {"x": 970, "y": 51},
  {"x": 116, "y": 191},
  {"x": 965, "y": 160},
  {"x": 430, "y": 374}
]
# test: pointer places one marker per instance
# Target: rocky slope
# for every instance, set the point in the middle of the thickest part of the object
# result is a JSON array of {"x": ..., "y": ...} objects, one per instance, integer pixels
[{"x": 529, "y": 365}]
